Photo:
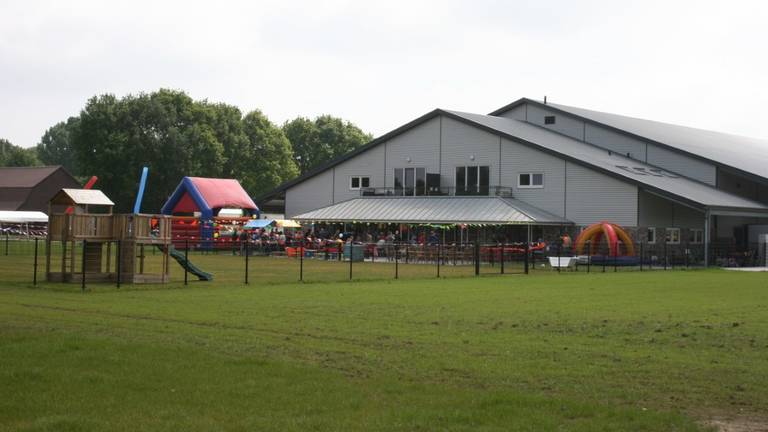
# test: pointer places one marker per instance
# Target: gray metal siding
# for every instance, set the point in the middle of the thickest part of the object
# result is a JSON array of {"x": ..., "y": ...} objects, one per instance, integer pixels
[
  {"x": 741, "y": 186},
  {"x": 659, "y": 212},
  {"x": 310, "y": 194},
  {"x": 517, "y": 113},
  {"x": 461, "y": 142},
  {"x": 593, "y": 197},
  {"x": 369, "y": 163},
  {"x": 517, "y": 158},
  {"x": 564, "y": 124},
  {"x": 421, "y": 144},
  {"x": 682, "y": 164},
  {"x": 615, "y": 142}
]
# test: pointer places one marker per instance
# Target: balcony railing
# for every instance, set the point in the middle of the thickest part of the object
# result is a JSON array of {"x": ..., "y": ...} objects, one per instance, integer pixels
[{"x": 501, "y": 191}]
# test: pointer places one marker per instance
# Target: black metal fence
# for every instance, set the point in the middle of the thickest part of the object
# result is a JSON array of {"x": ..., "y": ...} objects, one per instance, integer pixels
[{"x": 22, "y": 259}]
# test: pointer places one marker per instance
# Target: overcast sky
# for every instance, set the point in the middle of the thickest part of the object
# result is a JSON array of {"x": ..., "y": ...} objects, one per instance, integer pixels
[{"x": 381, "y": 64}]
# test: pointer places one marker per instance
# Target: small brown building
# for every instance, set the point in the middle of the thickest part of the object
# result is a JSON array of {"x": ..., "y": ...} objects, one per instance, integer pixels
[{"x": 31, "y": 188}]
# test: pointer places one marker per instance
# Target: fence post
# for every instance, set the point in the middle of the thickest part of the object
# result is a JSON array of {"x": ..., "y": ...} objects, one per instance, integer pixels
[
  {"x": 397, "y": 256},
  {"x": 439, "y": 249},
  {"x": 641, "y": 256},
  {"x": 247, "y": 252},
  {"x": 605, "y": 258},
  {"x": 559, "y": 248},
  {"x": 119, "y": 261},
  {"x": 301, "y": 266},
  {"x": 351, "y": 254},
  {"x": 525, "y": 260},
  {"x": 686, "y": 255},
  {"x": 34, "y": 274},
  {"x": 665, "y": 255},
  {"x": 502, "y": 258},
  {"x": 186, "y": 260},
  {"x": 477, "y": 259},
  {"x": 589, "y": 255},
  {"x": 615, "y": 255},
  {"x": 7, "y": 236},
  {"x": 82, "y": 268},
  {"x": 406, "y": 253}
]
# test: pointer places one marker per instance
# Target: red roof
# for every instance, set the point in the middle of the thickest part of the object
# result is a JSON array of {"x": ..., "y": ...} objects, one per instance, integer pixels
[{"x": 223, "y": 193}]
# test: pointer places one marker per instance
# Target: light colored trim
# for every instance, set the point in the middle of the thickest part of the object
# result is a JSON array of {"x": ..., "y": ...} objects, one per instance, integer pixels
[
  {"x": 360, "y": 182},
  {"x": 531, "y": 186},
  {"x": 671, "y": 229},
  {"x": 655, "y": 235}
]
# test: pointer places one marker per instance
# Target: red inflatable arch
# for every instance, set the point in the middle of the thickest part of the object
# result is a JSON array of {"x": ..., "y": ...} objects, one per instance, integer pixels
[{"x": 613, "y": 234}]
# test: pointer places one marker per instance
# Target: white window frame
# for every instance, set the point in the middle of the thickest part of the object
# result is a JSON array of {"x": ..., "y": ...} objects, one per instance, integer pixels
[
  {"x": 530, "y": 179},
  {"x": 669, "y": 237},
  {"x": 359, "y": 182},
  {"x": 698, "y": 236},
  {"x": 655, "y": 234}
]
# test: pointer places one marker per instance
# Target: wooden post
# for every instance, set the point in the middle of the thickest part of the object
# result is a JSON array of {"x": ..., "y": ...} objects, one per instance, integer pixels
[
  {"x": 301, "y": 265},
  {"x": 525, "y": 259},
  {"x": 439, "y": 249}
]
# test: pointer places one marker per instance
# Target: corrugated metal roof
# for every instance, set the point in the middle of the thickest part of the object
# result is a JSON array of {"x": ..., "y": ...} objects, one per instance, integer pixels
[
  {"x": 448, "y": 210},
  {"x": 634, "y": 170},
  {"x": 82, "y": 197},
  {"x": 744, "y": 153}
]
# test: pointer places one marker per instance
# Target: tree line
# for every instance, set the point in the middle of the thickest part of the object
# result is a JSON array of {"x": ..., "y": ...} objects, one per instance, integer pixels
[{"x": 176, "y": 136}]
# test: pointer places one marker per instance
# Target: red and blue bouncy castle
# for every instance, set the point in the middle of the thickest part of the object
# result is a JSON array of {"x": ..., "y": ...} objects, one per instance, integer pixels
[{"x": 195, "y": 205}]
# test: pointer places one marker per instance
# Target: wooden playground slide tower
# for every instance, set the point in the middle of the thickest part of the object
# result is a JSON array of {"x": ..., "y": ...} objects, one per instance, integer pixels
[{"x": 101, "y": 244}]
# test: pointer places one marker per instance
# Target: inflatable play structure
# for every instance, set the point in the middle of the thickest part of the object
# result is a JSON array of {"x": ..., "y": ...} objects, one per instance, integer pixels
[
  {"x": 614, "y": 235},
  {"x": 167, "y": 248},
  {"x": 197, "y": 205}
]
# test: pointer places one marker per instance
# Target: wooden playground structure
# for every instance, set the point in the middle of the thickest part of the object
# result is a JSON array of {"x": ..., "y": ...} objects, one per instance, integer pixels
[{"x": 112, "y": 246}]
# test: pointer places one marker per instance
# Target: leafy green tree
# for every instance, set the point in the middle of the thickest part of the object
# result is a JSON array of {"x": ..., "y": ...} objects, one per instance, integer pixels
[
  {"x": 268, "y": 160},
  {"x": 165, "y": 130},
  {"x": 55, "y": 147},
  {"x": 15, "y": 156},
  {"x": 318, "y": 141}
]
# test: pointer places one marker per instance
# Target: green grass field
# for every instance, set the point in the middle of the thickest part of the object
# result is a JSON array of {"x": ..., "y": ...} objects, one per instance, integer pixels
[{"x": 626, "y": 351}]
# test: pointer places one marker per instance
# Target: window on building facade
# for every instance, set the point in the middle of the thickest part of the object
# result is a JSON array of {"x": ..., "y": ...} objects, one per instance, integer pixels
[
  {"x": 673, "y": 236},
  {"x": 696, "y": 236},
  {"x": 549, "y": 120},
  {"x": 410, "y": 181},
  {"x": 530, "y": 180},
  {"x": 358, "y": 182},
  {"x": 650, "y": 235},
  {"x": 472, "y": 180}
]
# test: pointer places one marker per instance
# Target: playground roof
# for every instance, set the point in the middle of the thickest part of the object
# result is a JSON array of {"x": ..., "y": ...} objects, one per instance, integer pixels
[
  {"x": 437, "y": 210},
  {"x": 81, "y": 197},
  {"x": 206, "y": 194}
]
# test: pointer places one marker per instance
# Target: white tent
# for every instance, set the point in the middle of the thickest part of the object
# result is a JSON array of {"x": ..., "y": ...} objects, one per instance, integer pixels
[{"x": 21, "y": 217}]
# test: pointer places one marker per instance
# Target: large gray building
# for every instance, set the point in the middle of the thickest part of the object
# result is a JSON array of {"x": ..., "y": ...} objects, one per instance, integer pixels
[{"x": 552, "y": 163}]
